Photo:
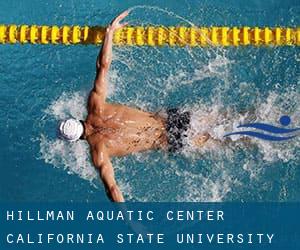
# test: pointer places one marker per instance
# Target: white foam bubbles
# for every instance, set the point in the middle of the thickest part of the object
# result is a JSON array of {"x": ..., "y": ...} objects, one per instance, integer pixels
[
  {"x": 271, "y": 110},
  {"x": 218, "y": 120},
  {"x": 68, "y": 105},
  {"x": 72, "y": 157},
  {"x": 214, "y": 118}
]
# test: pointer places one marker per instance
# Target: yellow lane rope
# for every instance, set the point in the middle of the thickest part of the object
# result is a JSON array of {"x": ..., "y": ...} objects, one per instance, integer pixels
[{"x": 152, "y": 35}]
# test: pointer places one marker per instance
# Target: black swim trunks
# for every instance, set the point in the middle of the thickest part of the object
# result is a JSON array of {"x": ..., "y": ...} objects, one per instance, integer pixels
[{"x": 177, "y": 125}]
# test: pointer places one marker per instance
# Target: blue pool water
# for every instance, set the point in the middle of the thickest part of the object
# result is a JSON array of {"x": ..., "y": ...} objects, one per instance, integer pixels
[{"x": 42, "y": 84}]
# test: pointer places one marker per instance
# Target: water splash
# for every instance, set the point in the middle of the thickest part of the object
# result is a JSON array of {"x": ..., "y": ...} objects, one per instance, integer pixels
[
  {"x": 192, "y": 185},
  {"x": 74, "y": 158},
  {"x": 210, "y": 84}
]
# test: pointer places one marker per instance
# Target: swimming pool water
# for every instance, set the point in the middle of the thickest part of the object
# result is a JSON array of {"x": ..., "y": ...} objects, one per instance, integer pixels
[{"x": 42, "y": 84}]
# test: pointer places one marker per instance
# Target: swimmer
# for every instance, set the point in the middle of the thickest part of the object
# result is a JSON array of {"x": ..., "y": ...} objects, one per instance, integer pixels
[{"x": 114, "y": 130}]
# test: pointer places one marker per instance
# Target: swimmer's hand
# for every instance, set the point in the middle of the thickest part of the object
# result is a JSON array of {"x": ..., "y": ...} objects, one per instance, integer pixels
[{"x": 115, "y": 24}]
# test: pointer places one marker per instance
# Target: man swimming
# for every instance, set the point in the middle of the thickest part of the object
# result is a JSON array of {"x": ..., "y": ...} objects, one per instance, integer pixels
[{"x": 118, "y": 130}]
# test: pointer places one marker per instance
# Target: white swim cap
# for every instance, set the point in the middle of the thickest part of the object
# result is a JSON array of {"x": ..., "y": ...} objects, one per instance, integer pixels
[{"x": 70, "y": 129}]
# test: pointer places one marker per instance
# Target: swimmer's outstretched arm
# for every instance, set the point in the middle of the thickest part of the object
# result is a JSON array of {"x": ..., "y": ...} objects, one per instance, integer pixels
[
  {"x": 105, "y": 56},
  {"x": 103, "y": 164}
]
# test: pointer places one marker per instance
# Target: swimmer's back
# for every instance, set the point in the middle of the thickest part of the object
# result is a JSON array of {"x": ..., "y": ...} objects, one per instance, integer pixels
[{"x": 126, "y": 130}]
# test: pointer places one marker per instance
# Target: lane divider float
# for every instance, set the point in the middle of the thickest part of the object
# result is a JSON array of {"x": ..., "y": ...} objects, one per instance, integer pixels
[{"x": 152, "y": 35}]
